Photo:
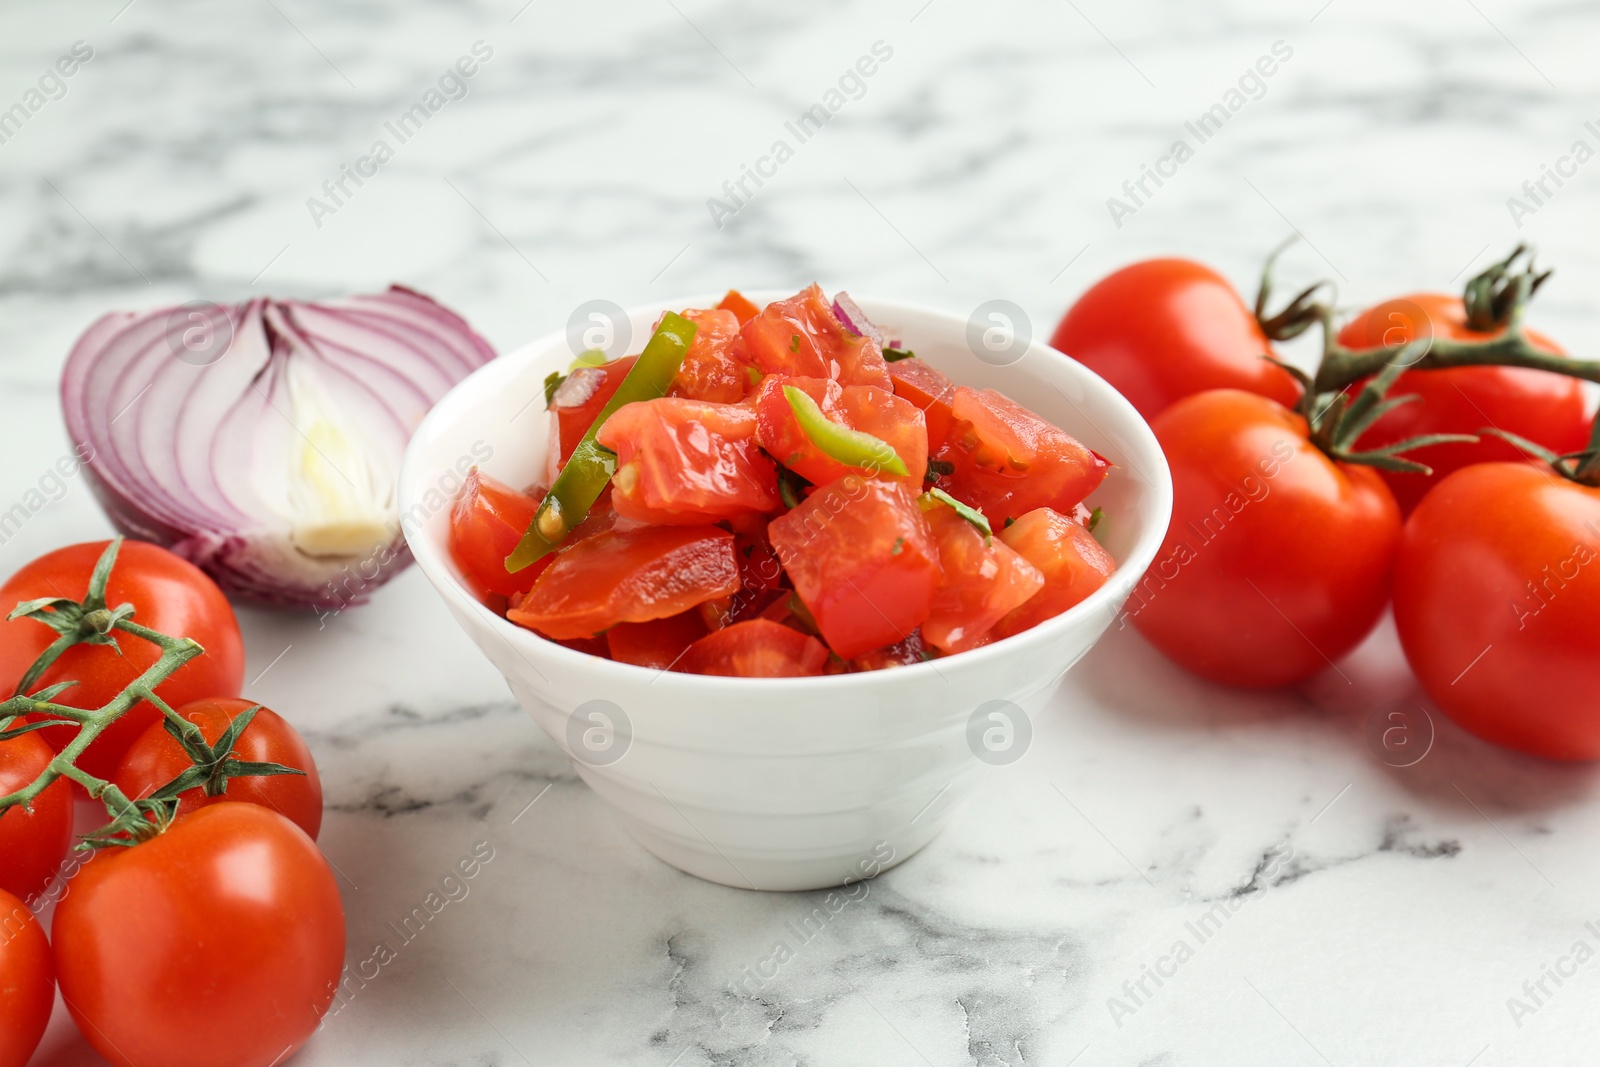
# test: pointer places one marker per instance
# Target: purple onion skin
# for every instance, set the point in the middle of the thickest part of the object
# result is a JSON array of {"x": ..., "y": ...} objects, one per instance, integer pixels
[{"x": 852, "y": 318}]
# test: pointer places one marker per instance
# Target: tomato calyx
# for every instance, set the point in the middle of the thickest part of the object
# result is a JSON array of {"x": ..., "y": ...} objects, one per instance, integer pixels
[
  {"x": 1492, "y": 295},
  {"x": 89, "y": 621},
  {"x": 1582, "y": 467},
  {"x": 1300, "y": 314}
]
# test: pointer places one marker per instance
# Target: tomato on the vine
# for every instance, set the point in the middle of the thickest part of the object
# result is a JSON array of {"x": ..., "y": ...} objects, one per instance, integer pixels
[
  {"x": 1163, "y": 329},
  {"x": 1497, "y": 600},
  {"x": 1546, "y": 408},
  {"x": 32, "y": 843},
  {"x": 27, "y": 982},
  {"x": 156, "y": 758},
  {"x": 1277, "y": 560},
  {"x": 218, "y": 943},
  {"x": 168, "y": 594}
]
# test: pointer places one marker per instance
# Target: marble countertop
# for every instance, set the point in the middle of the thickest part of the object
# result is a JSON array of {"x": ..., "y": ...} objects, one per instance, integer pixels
[{"x": 1175, "y": 873}]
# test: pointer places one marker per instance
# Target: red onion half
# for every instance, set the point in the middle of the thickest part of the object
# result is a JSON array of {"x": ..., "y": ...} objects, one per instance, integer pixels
[{"x": 263, "y": 441}]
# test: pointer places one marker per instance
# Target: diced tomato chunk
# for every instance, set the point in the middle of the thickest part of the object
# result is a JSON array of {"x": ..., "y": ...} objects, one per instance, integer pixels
[
  {"x": 658, "y": 643},
  {"x": 756, "y": 649},
  {"x": 926, "y": 387},
  {"x": 488, "y": 520},
  {"x": 577, "y": 404},
  {"x": 801, "y": 337},
  {"x": 713, "y": 368},
  {"x": 900, "y": 654},
  {"x": 1072, "y": 561},
  {"x": 1009, "y": 461},
  {"x": 857, "y": 407},
  {"x": 981, "y": 583},
  {"x": 863, "y": 560},
  {"x": 737, "y": 303},
  {"x": 688, "y": 462},
  {"x": 628, "y": 576}
]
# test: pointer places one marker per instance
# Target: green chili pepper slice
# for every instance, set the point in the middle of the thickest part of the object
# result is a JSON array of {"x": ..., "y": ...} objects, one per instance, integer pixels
[
  {"x": 966, "y": 511},
  {"x": 850, "y": 447},
  {"x": 584, "y": 478}
]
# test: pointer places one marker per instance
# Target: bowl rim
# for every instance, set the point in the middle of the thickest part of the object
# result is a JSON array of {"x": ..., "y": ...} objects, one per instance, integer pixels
[{"x": 429, "y": 556}]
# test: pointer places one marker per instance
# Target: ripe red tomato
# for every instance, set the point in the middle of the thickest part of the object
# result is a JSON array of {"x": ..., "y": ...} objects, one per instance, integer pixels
[
  {"x": 1544, "y": 407},
  {"x": 981, "y": 583},
  {"x": 27, "y": 982},
  {"x": 1066, "y": 553},
  {"x": 713, "y": 369},
  {"x": 1277, "y": 560},
  {"x": 577, "y": 404},
  {"x": 869, "y": 409},
  {"x": 688, "y": 462},
  {"x": 168, "y": 594},
  {"x": 488, "y": 520},
  {"x": 756, "y": 649},
  {"x": 740, "y": 305},
  {"x": 900, "y": 654},
  {"x": 156, "y": 759},
  {"x": 1008, "y": 460},
  {"x": 1497, "y": 600},
  {"x": 801, "y": 337},
  {"x": 218, "y": 943},
  {"x": 863, "y": 560},
  {"x": 929, "y": 391},
  {"x": 32, "y": 843},
  {"x": 629, "y": 576},
  {"x": 1163, "y": 329},
  {"x": 656, "y": 644}
]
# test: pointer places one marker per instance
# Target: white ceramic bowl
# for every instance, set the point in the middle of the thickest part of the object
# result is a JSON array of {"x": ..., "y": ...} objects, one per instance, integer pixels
[{"x": 800, "y": 783}]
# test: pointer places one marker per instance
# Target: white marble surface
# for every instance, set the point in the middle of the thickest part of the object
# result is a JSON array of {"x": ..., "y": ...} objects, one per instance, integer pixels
[{"x": 1381, "y": 915}]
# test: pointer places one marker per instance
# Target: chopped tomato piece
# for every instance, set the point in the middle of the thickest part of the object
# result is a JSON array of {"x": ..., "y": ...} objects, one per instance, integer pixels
[
  {"x": 981, "y": 583},
  {"x": 687, "y": 462},
  {"x": 1009, "y": 461},
  {"x": 865, "y": 408},
  {"x": 900, "y": 654},
  {"x": 628, "y": 576},
  {"x": 863, "y": 560},
  {"x": 736, "y": 302},
  {"x": 577, "y": 404},
  {"x": 658, "y": 643},
  {"x": 801, "y": 337},
  {"x": 756, "y": 649},
  {"x": 712, "y": 368},
  {"x": 486, "y": 523},
  {"x": 589, "y": 646},
  {"x": 930, "y": 391},
  {"x": 1072, "y": 561}
]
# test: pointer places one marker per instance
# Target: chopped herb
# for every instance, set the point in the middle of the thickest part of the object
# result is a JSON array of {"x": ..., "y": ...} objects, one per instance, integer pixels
[
  {"x": 895, "y": 355},
  {"x": 899, "y": 544},
  {"x": 938, "y": 468},
  {"x": 971, "y": 514},
  {"x": 592, "y": 358},
  {"x": 752, "y": 375},
  {"x": 794, "y": 342},
  {"x": 791, "y": 487},
  {"x": 1009, "y": 522},
  {"x": 798, "y": 609},
  {"x": 552, "y": 382},
  {"x": 1094, "y": 518}
]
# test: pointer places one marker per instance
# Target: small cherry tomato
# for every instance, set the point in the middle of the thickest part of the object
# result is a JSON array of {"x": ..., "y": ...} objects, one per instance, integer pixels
[
  {"x": 756, "y": 649},
  {"x": 168, "y": 594},
  {"x": 1163, "y": 329},
  {"x": 863, "y": 561},
  {"x": 488, "y": 520},
  {"x": 688, "y": 462},
  {"x": 801, "y": 337},
  {"x": 1008, "y": 461},
  {"x": 1277, "y": 560},
  {"x": 1543, "y": 407},
  {"x": 983, "y": 579},
  {"x": 1497, "y": 601},
  {"x": 1066, "y": 553},
  {"x": 156, "y": 759},
  {"x": 32, "y": 843},
  {"x": 27, "y": 982},
  {"x": 629, "y": 576},
  {"x": 218, "y": 943}
]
